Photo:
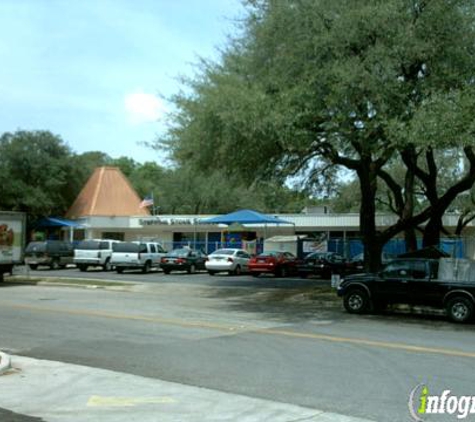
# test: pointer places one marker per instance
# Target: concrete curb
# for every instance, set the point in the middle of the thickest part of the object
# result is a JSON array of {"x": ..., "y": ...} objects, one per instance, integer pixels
[{"x": 5, "y": 363}]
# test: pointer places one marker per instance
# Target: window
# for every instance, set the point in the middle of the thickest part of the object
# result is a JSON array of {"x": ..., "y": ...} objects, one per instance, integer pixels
[
  {"x": 397, "y": 269},
  {"x": 113, "y": 236},
  {"x": 418, "y": 269}
]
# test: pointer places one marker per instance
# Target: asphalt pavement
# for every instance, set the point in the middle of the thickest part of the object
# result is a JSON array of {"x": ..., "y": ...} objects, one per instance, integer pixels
[{"x": 185, "y": 340}]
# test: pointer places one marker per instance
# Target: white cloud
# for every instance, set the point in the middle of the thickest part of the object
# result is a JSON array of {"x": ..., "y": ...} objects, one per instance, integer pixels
[{"x": 143, "y": 108}]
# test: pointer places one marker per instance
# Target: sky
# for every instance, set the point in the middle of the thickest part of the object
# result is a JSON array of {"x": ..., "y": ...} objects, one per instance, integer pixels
[{"x": 98, "y": 73}]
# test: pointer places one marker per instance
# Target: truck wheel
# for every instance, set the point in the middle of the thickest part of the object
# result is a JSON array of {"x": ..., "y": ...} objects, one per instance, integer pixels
[
  {"x": 107, "y": 265},
  {"x": 166, "y": 271},
  {"x": 256, "y": 274},
  {"x": 211, "y": 272},
  {"x": 82, "y": 267},
  {"x": 54, "y": 264},
  {"x": 459, "y": 309},
  {"x": 146, "y": 268},
  {"x": 120, "y": 270},
  {"x": 356, "y": 301},
  {"x": 33, "y": 266}
]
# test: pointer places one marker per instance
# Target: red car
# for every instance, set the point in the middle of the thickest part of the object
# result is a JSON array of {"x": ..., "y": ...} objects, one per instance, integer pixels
[{"x": 278, "y": 263}]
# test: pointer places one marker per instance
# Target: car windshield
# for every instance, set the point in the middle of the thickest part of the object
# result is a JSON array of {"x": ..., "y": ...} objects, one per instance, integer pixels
[
  {"x": 270, "y": 253},
  {"x": 223, "y": 252},
  {"x": 179, "y": 253}
]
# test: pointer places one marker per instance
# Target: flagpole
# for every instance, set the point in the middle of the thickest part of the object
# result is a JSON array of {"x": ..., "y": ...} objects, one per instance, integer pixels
[{"x": 153, "y": 204}]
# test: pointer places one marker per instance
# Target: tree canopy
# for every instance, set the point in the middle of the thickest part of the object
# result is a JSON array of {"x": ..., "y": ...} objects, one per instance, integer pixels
[
  {"x": 311, "y": 87},
  {"x": 41, "y": 175},
  {"x": 35, "y": 172}
]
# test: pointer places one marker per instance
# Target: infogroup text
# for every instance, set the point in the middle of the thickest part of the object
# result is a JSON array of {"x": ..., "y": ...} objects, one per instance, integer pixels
[{"x": 422, "y": 403}]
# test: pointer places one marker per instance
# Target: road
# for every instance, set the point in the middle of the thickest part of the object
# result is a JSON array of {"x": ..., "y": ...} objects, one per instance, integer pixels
[{"x": 262, "y": 338}]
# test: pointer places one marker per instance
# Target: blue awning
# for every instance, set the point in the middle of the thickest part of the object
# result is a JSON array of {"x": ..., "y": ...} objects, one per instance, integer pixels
[
  {"x": 244, "y": 217},
  {"x": 57, "y": 222}
]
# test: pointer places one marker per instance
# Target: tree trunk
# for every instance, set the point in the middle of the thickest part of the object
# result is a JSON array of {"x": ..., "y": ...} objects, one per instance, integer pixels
[
  {"x": 410, "y": 239},
  {"x": 372, "y": 245}
]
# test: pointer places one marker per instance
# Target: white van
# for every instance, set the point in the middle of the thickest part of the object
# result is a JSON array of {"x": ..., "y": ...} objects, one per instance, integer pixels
[
  {"x": 94, "y": 253},
  {"x": 144, "y": 255}
]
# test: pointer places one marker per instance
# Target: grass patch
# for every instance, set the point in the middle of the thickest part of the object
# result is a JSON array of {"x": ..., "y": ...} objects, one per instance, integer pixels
[{"x": 314, "y": 293}]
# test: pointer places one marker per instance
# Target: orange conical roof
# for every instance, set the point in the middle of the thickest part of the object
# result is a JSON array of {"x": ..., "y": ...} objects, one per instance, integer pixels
[{"x": 107, "y": 193}]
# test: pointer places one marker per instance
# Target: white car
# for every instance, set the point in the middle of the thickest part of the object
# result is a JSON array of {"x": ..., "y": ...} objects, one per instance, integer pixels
[{"x": 233, "y": 261}]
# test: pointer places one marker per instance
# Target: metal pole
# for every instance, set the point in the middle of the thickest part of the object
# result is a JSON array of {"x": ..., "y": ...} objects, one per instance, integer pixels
[{"x": 194, "y": 233}]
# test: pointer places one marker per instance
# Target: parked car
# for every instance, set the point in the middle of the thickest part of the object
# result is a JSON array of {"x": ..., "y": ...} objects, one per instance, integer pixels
[
  {"x": 94, "y": 253},
  {"x": 412, "y": 281},
  {"x": 278, "y": 263},
  {"x": 324, "y": 264},
  {"x": 386, "y": 258},
  {"x": 136, "y": 255},
  {"x": 50, "y": 253},
  {"x": 183, "y": 259},
  {"x": 233, "y": 261}
]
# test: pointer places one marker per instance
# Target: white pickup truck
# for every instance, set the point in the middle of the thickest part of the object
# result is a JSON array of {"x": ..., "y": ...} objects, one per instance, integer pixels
[
  {"x": 94, "y": 253},
  {"x": 12, "y": 240}
]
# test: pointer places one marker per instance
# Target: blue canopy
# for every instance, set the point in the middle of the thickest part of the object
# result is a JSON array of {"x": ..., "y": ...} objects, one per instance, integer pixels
[
  {"x": 244, "y": 217},
  {"x": 57, "y": 222}
]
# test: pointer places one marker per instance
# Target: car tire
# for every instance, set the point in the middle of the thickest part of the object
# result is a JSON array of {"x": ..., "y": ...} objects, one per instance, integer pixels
[
  {"x": 166, "y": 271},
  {"x": 82, "y": 267},
  {"x": 459, "y": 309},
  {"x": 192, "y": 269},
  {"x": 211, "y": 272},
  {"x": 237, "y": 271},
  {"x": 254, "y": 274},
  {"x": 55, "y": 264},
  {"x": 107, "y": 265},
  {"x": 147, "y": 267},
  {"x": 120, "y": 270},
  {"x": 282, "y": 272},
  {"x": 356, "y": 301}
]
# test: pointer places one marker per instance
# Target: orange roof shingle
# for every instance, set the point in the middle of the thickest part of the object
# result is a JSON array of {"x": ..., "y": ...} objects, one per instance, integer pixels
[{"x": 107, "y": 193}]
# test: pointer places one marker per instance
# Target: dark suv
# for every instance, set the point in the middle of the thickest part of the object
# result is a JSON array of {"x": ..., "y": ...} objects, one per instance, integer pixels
[{"x": 51, "y": 253}]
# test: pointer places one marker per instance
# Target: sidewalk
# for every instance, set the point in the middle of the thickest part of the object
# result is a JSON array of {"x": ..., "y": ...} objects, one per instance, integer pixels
[{"x": 59, "y": 392}]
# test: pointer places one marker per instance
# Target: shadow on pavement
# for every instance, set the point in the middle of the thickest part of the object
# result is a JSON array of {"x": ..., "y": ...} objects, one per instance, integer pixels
[
  {"x": 8, "y": 416},
  {"x": 281, "y": 301}
]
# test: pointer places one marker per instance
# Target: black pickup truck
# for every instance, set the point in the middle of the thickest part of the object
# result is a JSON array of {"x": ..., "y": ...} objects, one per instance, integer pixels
[{"x": 411, "y": 281}]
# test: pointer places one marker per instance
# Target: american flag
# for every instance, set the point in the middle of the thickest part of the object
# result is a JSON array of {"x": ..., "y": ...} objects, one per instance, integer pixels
[{"x": 147, "y": 201}]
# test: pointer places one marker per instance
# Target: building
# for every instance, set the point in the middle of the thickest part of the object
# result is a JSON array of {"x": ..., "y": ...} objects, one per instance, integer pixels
[{"x": 109, "y": 207}]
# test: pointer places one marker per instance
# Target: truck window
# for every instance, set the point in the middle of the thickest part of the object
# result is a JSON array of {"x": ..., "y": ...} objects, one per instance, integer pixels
[
  {"x": 419, "y": 270},
  {"x": 125, "y": 247}
]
